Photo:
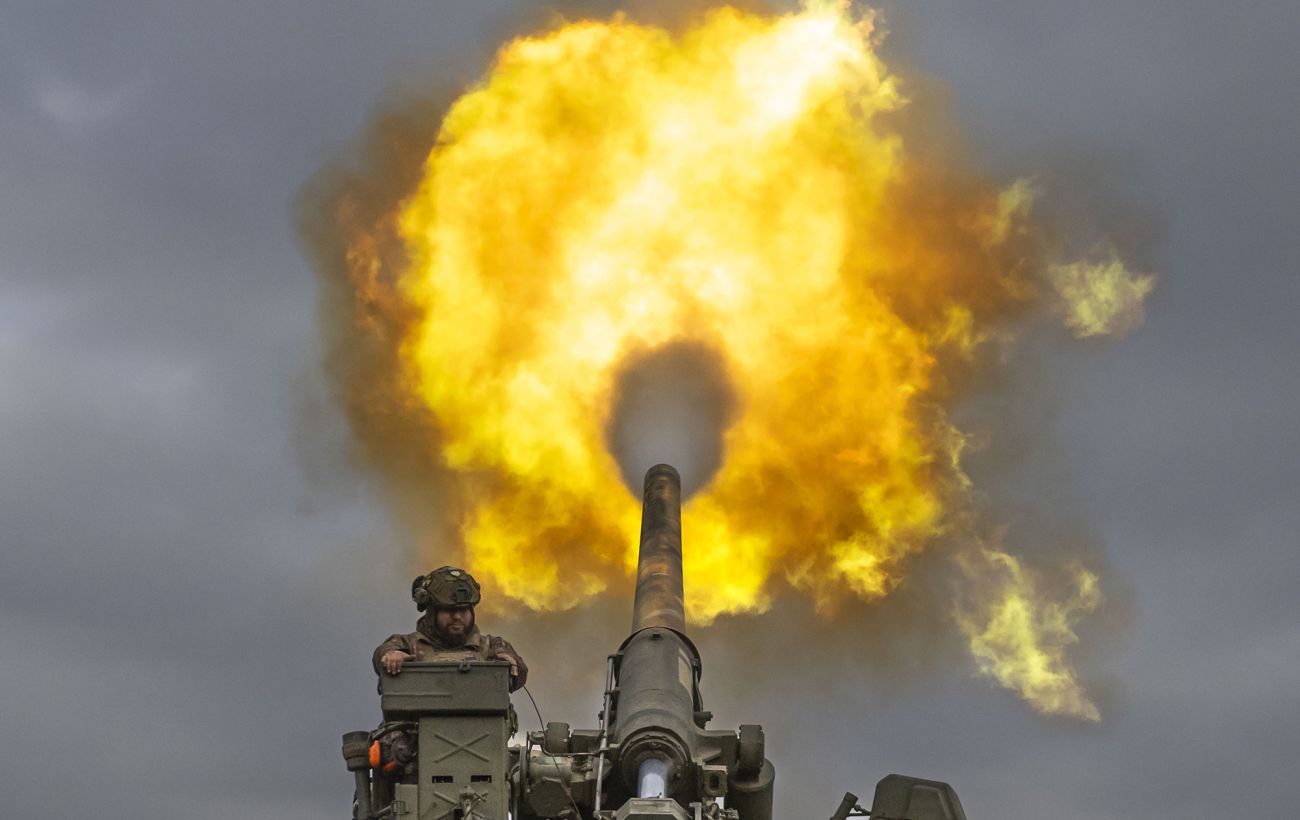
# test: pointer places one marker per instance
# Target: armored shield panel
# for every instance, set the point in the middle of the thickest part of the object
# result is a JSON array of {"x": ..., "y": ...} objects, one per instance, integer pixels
[{"x": 899, "y": 797}]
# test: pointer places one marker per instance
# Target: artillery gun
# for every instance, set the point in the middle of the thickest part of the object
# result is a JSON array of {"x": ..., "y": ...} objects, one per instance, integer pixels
[{"x": 443, "y": 751}]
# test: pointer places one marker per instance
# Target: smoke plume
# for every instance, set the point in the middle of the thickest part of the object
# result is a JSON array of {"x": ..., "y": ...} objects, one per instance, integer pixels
[{"x": 671, "y": 405}]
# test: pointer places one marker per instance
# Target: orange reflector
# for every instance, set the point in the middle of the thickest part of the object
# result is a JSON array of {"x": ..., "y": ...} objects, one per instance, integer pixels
[{"x": 374, "y": 755}]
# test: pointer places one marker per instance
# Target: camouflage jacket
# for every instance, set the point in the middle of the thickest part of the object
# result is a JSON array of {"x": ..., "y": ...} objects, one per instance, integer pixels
[{"x": 425, "y": 644}]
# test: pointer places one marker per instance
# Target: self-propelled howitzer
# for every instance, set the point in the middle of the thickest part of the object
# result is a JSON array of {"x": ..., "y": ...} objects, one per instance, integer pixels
[{"x": 443, "y": 750}]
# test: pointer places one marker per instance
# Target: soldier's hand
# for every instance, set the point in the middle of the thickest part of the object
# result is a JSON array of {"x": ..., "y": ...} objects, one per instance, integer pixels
[
  {"x": 510, "y": 659},
  {"x": 393, "y": 659}
]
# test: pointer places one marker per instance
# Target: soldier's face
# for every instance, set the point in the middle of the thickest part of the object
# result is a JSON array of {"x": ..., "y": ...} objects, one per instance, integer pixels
[{"x": 454, "y": 622}]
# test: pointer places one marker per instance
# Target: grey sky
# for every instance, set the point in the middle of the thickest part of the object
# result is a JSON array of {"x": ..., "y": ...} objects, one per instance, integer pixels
[{"x": 191, "y": 577}]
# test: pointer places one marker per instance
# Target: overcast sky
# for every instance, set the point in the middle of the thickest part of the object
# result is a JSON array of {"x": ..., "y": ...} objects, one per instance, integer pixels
[{"x": 192, "y": 578}]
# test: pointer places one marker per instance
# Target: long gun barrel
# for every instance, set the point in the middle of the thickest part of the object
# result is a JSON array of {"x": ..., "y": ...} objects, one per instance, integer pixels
[
  {"x": 654, "y": 724},
  {"x": 659, "y": 566}
]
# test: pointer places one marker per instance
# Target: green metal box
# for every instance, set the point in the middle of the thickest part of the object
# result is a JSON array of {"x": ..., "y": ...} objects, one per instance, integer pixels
[{"x": 477, "y": 688}]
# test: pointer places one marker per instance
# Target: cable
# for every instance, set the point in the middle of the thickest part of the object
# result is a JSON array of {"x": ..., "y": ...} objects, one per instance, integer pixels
[
  {"x": 577, "y": 812},
  {"x": 541, "y": 724}
]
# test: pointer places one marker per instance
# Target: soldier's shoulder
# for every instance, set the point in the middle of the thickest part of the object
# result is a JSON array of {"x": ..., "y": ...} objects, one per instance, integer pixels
[
  {"x": 496, "y": 642},
  {"x": 402, "y": 639}
]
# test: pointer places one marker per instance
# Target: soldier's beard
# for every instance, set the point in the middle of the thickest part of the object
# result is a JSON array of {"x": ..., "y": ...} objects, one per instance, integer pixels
[{"x": 455, "y": 640}]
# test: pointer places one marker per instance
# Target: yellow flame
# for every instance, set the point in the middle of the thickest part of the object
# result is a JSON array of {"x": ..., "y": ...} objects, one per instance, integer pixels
[
  {"x": 1019, "y": 634},
  {"x": 610, "y": 188},
  {"x": 1101, "y": 298}
]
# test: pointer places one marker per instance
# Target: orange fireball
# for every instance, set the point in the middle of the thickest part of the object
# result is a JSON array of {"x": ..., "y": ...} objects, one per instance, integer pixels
[{"x": 610, "y": 189}]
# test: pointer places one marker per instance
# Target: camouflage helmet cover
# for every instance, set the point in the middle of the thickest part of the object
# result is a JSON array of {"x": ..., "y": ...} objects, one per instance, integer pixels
[{"x": 445, "y": 586}]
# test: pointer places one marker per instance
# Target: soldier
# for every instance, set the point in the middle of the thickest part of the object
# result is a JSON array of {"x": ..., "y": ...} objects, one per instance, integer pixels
[{"x": 446, "y": 631}]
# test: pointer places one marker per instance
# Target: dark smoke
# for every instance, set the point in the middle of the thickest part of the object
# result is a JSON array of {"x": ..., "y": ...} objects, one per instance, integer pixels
[
  {"x": 350, "y": 204},
  {"x": 671, "y": 405}
]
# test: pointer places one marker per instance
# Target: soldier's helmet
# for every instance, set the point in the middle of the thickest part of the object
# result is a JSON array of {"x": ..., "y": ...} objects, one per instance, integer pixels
[{"x": 445, "y": 586}]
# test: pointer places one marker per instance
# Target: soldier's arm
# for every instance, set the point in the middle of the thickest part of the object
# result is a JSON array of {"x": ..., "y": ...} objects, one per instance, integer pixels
[{"x": 394, "y": 643}]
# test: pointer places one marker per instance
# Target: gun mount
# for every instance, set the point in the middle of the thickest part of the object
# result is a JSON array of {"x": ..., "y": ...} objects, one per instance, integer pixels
[{"x": 443, "y": 753}]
